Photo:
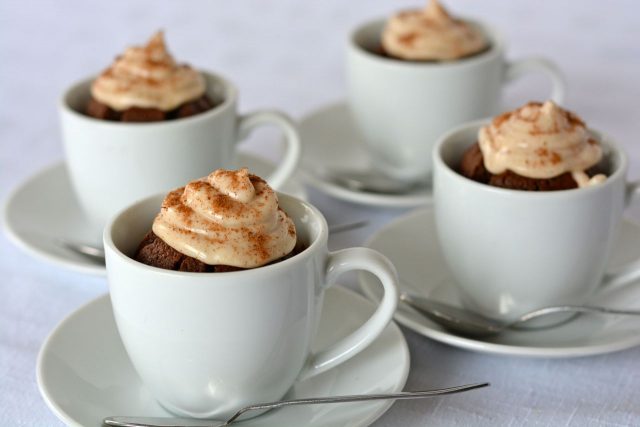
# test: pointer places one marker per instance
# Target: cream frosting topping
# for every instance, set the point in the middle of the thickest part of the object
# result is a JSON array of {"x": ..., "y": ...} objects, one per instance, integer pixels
[
  {"x": 148, "y": 77},
  {"x": 227, "y": 218},
  {"x": 540, "y": 141},
  {"x": 431, "y": 34}
]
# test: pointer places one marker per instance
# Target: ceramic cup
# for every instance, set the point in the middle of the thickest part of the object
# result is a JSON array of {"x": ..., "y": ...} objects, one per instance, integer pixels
[
  {"x": 206, "y": 344},
  {"x": 402, "y": 107},
  {"x": 113, "y": 164},
  {"x": 515, "y": 251}
]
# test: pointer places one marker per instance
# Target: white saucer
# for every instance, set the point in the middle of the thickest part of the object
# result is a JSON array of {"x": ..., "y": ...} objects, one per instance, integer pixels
[
  {"x": 84, "y": 374},
  {"x": 411, "y": 244},
  {"x": 44, "y": 209},
  {"x": 330, "y": 140}
]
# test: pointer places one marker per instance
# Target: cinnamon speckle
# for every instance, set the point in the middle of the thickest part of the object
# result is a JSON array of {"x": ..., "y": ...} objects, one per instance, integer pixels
[
  {"x": 542, "y": 152},
  {"x": 408, "y": 39},
  {"x": 555, "y": 158}
]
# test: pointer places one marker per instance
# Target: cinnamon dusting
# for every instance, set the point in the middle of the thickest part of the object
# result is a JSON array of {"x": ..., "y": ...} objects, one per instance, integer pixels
[{"x": 229, "y": 217}]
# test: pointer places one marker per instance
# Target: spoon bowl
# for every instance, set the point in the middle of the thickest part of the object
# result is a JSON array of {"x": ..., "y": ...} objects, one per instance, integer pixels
[
  {"x": 370, "y": 181},
  {"x": 91, "y": 251}
]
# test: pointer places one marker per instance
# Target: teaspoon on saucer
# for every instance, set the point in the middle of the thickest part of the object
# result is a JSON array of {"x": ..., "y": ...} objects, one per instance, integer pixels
[
  {"x": 122, "y": 421},
  {"x": 370, "y": 181},
  {"x": 90, "y": 251},
  {"x": 97, "y": 253},
  {"x": 467, "y": 322}
]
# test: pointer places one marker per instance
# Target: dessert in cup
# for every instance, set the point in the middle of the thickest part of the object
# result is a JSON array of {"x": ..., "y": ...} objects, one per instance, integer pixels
[
  {"x": 236, "y": 329},
  {"x": 421, "y": 72},
  {"x": 148, "y": 124},
  {"x": 527, "y": 207},
  {"x": 145, "y": 84},
  {"x": 538, "y": 147},
  {"x": 176, "y": 243},
  {"x": 431, "y": 35}
]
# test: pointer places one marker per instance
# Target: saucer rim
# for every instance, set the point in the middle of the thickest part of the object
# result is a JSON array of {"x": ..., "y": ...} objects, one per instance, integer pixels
[
  {"x": 44, "y": 349},
  {"x": 70, "y": 264},
  {"x": 342, "y": 193},
  {"x": 479, "y": 345},
  {"x": 60, "y": 326},
  {"x": 14, "y": 236}
]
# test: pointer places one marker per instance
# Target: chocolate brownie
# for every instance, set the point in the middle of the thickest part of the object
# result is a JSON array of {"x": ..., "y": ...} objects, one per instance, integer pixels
[
  {"x": 472, "y": 167},
  {"x": 98, "y": 110},
  {"x": 155, "y": 252}
]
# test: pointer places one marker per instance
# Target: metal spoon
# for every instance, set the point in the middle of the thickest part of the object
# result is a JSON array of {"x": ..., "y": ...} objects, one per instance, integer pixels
[
  {"x": 467, "y": 322},
  {"x": 119, "y": 421},
  {"x": 90, "y": 251},
  {"x": 97, "y": 253},
  {"x": 370, "y": 181}
]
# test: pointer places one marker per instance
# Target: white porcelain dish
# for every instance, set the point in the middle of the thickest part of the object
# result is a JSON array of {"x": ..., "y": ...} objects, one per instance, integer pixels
[
  {"x": 410, "y": 243},
  {"x": 84, "y": 373}
]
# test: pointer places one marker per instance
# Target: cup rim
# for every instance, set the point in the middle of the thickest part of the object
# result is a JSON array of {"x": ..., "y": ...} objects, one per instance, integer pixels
[
  {"x": 495, "y": 49},
  {"x": 607, "y": 141},
  {"x": 110, "y": 246},
  {"x": 231, "y": 95}
]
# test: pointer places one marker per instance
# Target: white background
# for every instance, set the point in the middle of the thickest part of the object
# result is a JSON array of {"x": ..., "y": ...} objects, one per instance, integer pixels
[{"x": 289, "y": 54}]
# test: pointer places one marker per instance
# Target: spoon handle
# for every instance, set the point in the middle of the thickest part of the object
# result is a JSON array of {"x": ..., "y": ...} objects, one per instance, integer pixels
[
  {"x": 172, "y": 422},
  {"x": 359, "y": 398},
  {"x": 575, "y": 309}
]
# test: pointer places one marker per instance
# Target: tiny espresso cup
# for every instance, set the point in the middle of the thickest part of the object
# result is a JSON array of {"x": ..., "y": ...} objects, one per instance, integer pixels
[
  {"x": 513, "y": 251},
  {"x": 402, "y": 107},
  {"x": 207, "y": 344},
  {"x": 113, "y": 164}
]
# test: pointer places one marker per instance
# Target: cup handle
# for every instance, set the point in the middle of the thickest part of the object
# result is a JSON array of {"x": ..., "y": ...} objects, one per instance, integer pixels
[
  {"x": 523, "y": 66},
  {"x": 630, "y": 271},
  {"x": 287, "y": 166},
  {"x": 340, "y": 262}
]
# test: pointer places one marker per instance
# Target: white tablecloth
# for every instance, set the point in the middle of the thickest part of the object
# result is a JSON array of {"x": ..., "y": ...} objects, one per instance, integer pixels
[{"x": 289, "y": 54}]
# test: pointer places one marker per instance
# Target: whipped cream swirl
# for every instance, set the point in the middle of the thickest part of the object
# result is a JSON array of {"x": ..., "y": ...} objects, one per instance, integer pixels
[
  {"x": 147, "y": 77},
  {"x": 227, "y": 218},
  {"x": 431, "y": 34},
  {"x": 540, "y": 141}
]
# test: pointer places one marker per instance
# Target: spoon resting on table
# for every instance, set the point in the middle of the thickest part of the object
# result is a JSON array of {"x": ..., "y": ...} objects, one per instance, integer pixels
[
  {"x": 467, "y": 322},
  {"x": 122, "y": 421}
]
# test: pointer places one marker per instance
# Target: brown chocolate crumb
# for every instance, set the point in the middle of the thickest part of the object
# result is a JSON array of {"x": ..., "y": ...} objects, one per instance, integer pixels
[
  {"x": 101, "y": 111},
  {"x": 142, "y": 115},
  {"x": 472, "y": 167}
]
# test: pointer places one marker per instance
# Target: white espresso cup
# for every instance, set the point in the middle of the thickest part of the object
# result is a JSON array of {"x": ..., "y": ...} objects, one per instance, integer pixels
[
  {"x": 113, "y": 164},
  {"x": 206, "y": 344},
  {"x": 402, "y": 107},
  {"x": 513, "y": 251}
]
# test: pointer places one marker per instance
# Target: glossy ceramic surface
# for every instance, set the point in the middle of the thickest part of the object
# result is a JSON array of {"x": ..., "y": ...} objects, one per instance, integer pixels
[
  {"x": 208, "y": 344},
  {"x": 113, "y": 164},
  {"x": 411, "y": 244},
  {"x": 402, "y": 107},
  {"x": 330, "y": 140},
  {"x": 513, "y": 251},
  {"x": 84, "y": 373}
]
